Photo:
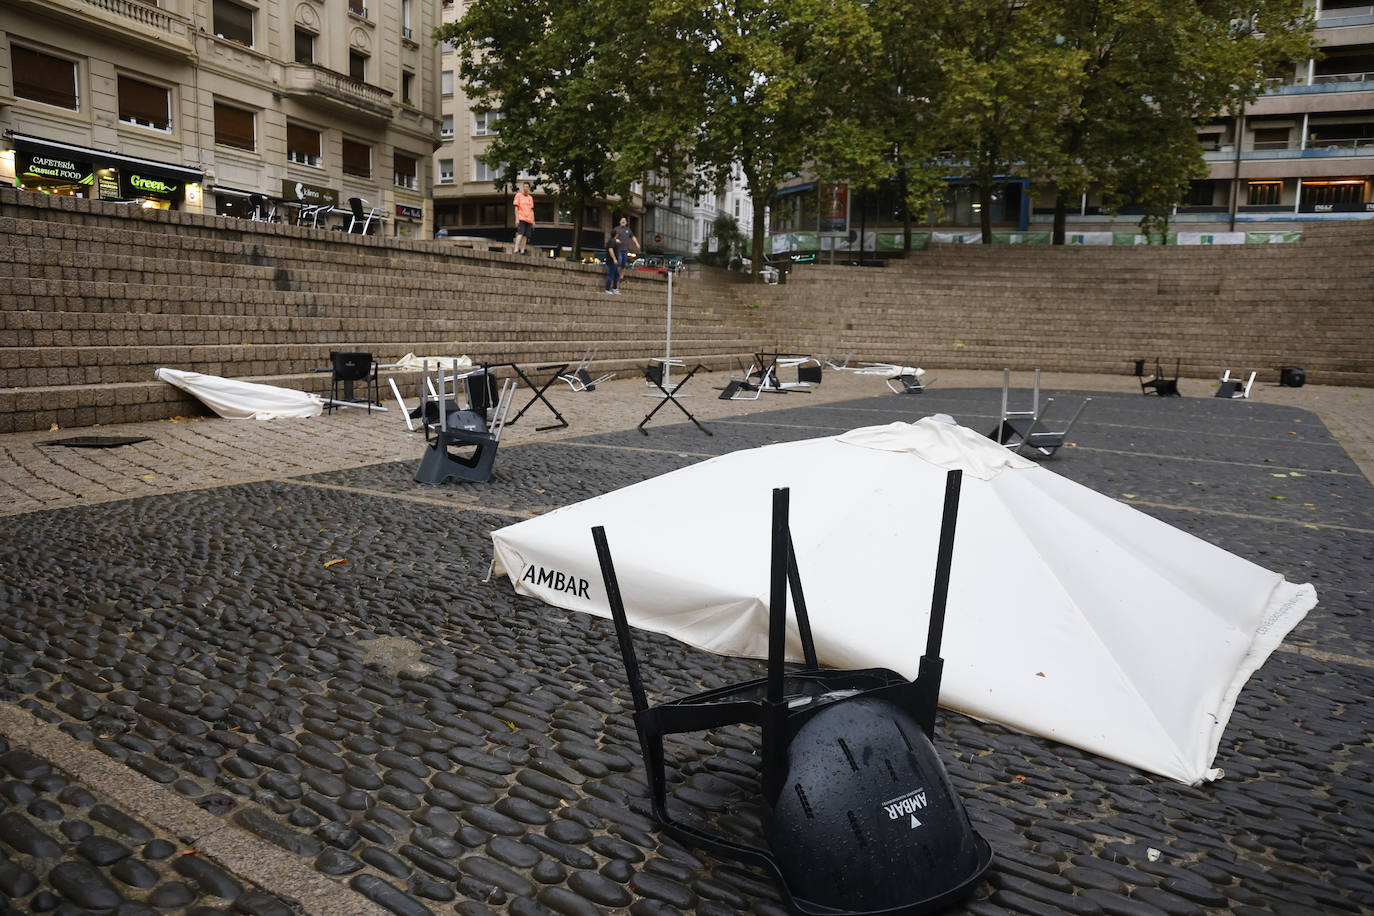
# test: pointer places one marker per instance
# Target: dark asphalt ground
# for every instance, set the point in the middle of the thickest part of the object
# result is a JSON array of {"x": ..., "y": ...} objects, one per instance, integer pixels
[{"x": 315, "y": 667}]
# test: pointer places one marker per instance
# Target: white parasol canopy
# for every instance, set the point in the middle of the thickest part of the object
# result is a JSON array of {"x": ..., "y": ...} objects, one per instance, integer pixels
[
  {"x": 235, "y": 399},
  {"x": 1070, "y": 615}
]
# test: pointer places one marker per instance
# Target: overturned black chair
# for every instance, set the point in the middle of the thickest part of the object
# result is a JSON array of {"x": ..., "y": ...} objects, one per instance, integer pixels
[
  {"x": 363, "y": 216},
  {"x": 657, "y": 375},
  {"x": 347, "y": 369},
  {"x": 461, "y": 442},
  {"x": 847, "y": 758},
  {"x": 580, "y": 378},
  {"x": 1022, "y": 429},
  {"x": 1157, "y": 383}
]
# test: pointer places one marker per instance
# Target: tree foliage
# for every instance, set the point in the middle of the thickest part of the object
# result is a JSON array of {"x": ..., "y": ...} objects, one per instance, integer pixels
[{"x": 1074, "y": 93}]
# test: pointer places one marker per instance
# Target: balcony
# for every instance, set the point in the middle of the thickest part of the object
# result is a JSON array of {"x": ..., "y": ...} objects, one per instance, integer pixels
[
  {"x": 1324, "y": 149},
  {"x": 1345, "y": 16},
  {"x": 315, "y": 85},
  {"x": 153, "y": 30}
]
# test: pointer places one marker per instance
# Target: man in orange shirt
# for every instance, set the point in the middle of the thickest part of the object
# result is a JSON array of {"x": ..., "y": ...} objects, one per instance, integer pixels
[{"x": 524, "y": 218}]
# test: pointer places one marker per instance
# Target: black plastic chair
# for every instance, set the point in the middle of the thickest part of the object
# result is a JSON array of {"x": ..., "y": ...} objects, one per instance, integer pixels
[
  {"x": 462, "y": 443},
  {"x": 361, "y": 223},
  {"x": 346, "y": 369},
  {"x": 1157, "y": 383}
]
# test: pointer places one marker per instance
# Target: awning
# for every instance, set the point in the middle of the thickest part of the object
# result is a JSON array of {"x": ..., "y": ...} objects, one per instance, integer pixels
[{"x": 32, "y": 144}]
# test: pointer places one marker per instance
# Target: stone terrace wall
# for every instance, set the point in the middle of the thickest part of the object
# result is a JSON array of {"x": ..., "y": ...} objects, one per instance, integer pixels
[
  {"x": 1089, "y": 309},
  {"x": 95, "y": 296}
]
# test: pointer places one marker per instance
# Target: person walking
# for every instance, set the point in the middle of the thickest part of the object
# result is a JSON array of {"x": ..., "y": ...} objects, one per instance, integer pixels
[
  {"x": 524, "y": 218},
  {"x": 614, "y": 254},
  {"x": 625, "y": 239}
]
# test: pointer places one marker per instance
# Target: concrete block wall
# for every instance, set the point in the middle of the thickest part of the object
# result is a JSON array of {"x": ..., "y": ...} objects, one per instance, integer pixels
[
  {"x": 1089, "y": 309},
  {"x": 95, "y": 296}
]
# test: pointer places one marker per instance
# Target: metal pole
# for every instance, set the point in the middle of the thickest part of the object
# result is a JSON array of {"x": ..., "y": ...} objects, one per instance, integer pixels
[{"x": 668, "y": 340}]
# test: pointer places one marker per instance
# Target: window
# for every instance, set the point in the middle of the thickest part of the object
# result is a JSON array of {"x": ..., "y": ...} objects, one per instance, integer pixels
[
  {"x": 144, "y": 104},
  {"x": 494, "y": 214},
  {"x": 1200, "y": 193},
  {"x": 357, "y": 158},
  {"x": 445, "y": 171},
  {"x": 406, "y": 171},
  {"x": 591, "y": 216},
  {"x": 405, "y": 20},
  {"x": 358, "y": 8},
  {"x": 357, "y": 66},
  {"x": 305, "y": 47},
  {"x": 446, "y": 46},
  {"x": 302, "y": 145},
  {"x": 543, "y": 211},
  {"x": 483, "y": 172},
  {"x": 446, "y": 82},
  {"x": 234, "y": 127},
  {"x": 1330, "y": 193},
  {"x": 446, "y": 130},
  {"x": 1264, "y": 193},
  {"x": 485, "y": 122},
  {"x": 407, "y": 82},
  {"x": 40, "y": 78},
  {"x": 1271, "y": 138},
  {"x": 233, "y": 22}
]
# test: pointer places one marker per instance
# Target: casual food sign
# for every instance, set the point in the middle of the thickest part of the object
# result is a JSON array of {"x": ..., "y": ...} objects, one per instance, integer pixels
[{"x": 42, "y": 167}]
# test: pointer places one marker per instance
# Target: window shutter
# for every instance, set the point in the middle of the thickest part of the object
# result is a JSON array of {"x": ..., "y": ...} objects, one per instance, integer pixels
[
  {"x": 42, "y": 78},
  {"x": 143, "y": 102}
]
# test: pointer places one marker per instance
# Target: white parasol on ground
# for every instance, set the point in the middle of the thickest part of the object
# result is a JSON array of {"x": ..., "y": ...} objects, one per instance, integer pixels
[
  {"x": 235, "y": 399},
  {"x": 1070, "y": 615}
]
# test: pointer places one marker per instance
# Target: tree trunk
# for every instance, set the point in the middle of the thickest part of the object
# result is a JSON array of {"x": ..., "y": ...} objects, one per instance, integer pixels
[
  {"x": 985, "y": 212},
  {"x": 756, "y": 250},
  {"x": 579, "y": 210},
  {"x": 906, "y": 211},
  {"x": 1061, "y": 217}
]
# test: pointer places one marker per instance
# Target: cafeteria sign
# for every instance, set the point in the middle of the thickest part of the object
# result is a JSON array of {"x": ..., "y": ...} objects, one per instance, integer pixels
[
  {"x": 409, "y": 212},
  {"x": 51, "y": 168}
]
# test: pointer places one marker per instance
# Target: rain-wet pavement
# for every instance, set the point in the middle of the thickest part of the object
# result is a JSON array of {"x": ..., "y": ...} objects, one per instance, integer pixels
[{"x": 281, "y": 684}]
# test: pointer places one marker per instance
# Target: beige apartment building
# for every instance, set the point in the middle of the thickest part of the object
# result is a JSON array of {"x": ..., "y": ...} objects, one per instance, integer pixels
[{"x": 287, "y": 108}]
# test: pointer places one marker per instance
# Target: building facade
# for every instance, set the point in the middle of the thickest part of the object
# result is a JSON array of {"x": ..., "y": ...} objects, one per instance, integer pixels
[
  {"x": 235, "y": 107},
  {"x": 1304, "y": 150}
]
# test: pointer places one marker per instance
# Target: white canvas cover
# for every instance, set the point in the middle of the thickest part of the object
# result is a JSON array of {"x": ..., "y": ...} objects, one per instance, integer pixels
[
  {"x": 235, "y": 399},
  {"x": 417, "y": 363},
  {"x": 1070, "y": 615}
]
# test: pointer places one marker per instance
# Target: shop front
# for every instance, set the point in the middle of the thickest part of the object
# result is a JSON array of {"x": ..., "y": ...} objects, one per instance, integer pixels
[
  {"x": 68, "y": 170},
  {"x": 408, "y": 221}
]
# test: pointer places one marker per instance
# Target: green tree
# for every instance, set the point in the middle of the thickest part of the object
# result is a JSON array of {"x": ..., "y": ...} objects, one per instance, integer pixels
[
  {"x": 554, "y": 70},
  {"x": 736, "y": 84},
  {"x": 1005, "y": 83}
]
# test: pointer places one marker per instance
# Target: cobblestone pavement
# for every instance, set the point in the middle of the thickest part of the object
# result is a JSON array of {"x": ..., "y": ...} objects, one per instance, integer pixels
[{"x": 254, "y": 668}]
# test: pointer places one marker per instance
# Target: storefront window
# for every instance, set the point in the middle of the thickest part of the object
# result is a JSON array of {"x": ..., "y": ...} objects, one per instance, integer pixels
[
  {"x": 42, "y": 78},
  {"x": 302, "y": 145},
  {"x": 233, "y": 22},
  {"x": 357, "y": 158},
  {"x": 234, "y": 127},
  {"x": 144, "y": 104}
]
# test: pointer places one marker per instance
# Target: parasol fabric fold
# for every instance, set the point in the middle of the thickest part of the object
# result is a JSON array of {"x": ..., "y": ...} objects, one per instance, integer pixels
[{"x": 1070, "y": 615}]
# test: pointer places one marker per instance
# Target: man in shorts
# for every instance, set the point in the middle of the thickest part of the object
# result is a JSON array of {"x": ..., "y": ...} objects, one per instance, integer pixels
[{"x": 524, "y": 218}]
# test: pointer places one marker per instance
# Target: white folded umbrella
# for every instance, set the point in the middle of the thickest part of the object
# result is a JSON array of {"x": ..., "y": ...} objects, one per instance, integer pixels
[
  {"x": 235, "y": 399},
  {"x": 1070, "y": 615}
]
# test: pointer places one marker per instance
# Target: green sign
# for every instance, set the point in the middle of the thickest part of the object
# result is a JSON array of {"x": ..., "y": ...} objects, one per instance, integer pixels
[{"x": 134, "y": 184}]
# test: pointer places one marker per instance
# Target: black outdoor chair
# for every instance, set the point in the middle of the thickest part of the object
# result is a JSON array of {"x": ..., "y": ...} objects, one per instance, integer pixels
[
  {"x": 1157, "y": 383},
  {"x": 654, "y": 375},
  {"x": 346, "y": 369},
  {"x": 264, "y": 210},
  {"x": 363, "y": 218}
]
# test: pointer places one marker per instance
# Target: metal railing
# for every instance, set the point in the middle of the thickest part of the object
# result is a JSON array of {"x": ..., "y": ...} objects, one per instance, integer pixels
[{"x": 143, "y": 14}]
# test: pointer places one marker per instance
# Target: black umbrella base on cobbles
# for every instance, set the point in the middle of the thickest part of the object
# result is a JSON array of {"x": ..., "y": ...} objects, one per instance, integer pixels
[{"x": 319, "y": 664}]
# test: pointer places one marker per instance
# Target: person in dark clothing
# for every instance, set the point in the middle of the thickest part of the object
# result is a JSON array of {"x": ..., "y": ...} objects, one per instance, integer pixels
[{"x": 614, "y": 253}]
